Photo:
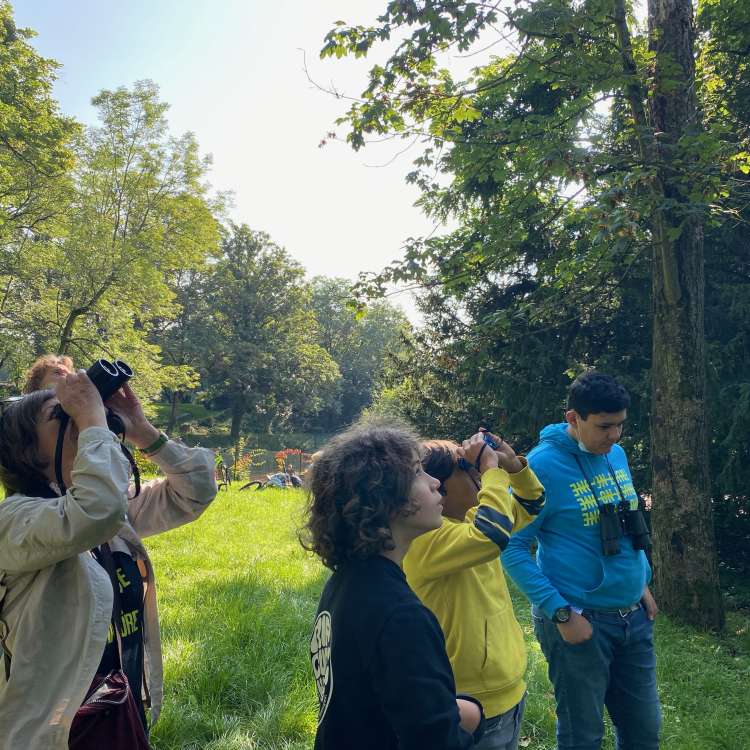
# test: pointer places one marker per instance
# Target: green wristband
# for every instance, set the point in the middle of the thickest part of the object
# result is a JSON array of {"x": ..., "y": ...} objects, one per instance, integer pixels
[{"x": 156, "y": 445}]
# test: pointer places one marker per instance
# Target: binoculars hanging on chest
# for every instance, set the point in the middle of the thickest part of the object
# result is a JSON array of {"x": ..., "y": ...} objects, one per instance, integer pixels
[{"x": 618, "y": 520}]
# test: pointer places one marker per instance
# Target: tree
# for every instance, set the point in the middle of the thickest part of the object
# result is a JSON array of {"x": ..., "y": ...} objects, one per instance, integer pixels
[
  {"x": 261, "y": 358},
  {"x": 361, "y": 345},
  {"x": 139, "y": 214},
  {"x": 35, "y": 158},
  {"x": 572, "y": 173},
  {"x": 687, "y": 575}
]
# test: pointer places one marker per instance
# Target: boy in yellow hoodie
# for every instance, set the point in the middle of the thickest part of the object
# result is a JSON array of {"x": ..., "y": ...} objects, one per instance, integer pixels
[{"x": 455, "y": 570}]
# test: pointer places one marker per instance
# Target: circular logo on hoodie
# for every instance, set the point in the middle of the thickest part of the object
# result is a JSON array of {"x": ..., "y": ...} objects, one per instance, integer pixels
[{"x": 320, "y": 655}]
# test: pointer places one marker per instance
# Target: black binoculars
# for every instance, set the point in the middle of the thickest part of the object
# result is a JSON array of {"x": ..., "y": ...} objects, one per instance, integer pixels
[
  {"x": 108, "y": 377},
  {"x": 616, "y": 521}
]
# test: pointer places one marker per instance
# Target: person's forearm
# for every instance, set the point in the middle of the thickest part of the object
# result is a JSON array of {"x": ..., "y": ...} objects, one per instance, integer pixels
[{"x": 522, "y": 568}]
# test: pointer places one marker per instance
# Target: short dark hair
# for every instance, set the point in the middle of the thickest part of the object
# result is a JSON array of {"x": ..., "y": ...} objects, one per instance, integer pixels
[
  {"x": 594, "y": 392},
  {"x": 439, "y": 458},
  {"x": 22, "y": 469},
  {"x": 358, "y": 482}
]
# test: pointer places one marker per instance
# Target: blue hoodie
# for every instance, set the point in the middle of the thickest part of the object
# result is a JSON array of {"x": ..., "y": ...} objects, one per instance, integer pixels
[{"x": 570, "y": 567}]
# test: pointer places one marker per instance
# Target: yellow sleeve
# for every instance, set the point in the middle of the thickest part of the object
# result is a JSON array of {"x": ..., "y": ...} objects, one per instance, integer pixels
[
  {"x": 528, "y": 494},
  {"x": 478, "y": 539}
]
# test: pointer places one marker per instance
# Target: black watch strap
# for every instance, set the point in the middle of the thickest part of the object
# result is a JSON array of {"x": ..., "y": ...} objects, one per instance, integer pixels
[{"x": 562, "y": 614}]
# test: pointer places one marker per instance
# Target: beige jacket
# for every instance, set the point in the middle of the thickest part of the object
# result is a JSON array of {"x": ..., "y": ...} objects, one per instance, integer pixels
[{"x": 57, "y": 600}]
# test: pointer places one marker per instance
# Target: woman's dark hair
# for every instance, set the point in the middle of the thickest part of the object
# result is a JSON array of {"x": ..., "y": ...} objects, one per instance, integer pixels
[
  {"x": 594, "y": 392},
  {"x": 21, "y": 467},
  {"x": 359, "y": 480},
  {"x": 439, "y": 459}
]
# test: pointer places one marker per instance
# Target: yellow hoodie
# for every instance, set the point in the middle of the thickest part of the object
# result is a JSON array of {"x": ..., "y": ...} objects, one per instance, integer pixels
[{"x": 455, "y": 570}]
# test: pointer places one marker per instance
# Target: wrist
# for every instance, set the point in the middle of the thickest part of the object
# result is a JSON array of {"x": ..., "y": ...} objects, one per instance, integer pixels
[
  {"x": 513, "y": 466},
  {"x": 156, "y": 446},
  {"x": 562, "y": 615},
  {"x": 487, "y": 465},
  {"x": 144, "y": 436},
  {"x": 97, "y": 418}
]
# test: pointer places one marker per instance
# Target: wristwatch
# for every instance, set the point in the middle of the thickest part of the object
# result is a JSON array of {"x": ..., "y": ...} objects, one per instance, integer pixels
[{"x": 561, "y": 615}]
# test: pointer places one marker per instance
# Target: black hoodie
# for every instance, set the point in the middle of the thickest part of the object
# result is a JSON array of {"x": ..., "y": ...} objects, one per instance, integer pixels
[{"x": 378, "y": 655}]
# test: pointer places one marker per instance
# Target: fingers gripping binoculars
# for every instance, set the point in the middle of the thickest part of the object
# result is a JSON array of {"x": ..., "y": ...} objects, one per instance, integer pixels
[{"x": 107, "y": 377}]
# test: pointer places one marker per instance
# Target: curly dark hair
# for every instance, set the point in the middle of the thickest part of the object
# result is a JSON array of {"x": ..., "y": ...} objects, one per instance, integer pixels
[
  {"x": 360, "y": 479},
  {"x": 594, "y": 392},
  {"x": 21, "y": 467}
]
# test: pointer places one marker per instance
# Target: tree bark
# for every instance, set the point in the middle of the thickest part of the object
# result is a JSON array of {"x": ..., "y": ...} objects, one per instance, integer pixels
[
  {"x": 238, "y": 412},
  {"x": 176, "y": 398},
  {"x": 686, "y": 568}
]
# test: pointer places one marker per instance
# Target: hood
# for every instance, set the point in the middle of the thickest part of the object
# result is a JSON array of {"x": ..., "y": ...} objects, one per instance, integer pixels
[{"x": 557, "y": 435}]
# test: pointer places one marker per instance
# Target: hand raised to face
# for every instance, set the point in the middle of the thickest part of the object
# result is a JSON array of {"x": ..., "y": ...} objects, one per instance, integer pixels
[
  {"x": 80, "y": 400},
  {"x": 138, "y": 429},
  {"x": 475, "y": 448},
  {"x": 507, "y": 457}
]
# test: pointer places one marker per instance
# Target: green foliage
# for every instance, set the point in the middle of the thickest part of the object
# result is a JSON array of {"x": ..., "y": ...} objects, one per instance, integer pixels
[
  {"x": 362, "y": 345},
  {"x": 252, "y": 335},
  {"x": 35, "y": 158},
  {"x": 138, "y": 214},
  {"x": 544, "y": 164}
]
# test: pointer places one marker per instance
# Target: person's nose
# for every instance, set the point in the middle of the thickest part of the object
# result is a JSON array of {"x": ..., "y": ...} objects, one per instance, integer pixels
[
  {"x": 434, "y": 483},
  {"x": 615, "y": 433}
]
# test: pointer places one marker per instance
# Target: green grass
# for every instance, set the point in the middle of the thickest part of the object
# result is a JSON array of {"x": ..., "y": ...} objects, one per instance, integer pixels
[{"x": 237, "y": 597}]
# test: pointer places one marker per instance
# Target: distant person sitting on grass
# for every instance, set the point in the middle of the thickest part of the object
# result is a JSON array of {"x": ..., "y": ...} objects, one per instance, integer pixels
[
  {"x": 455, "y": 570},
  {"x": 378, "y": 655},
  {"x": 46, "y": 371}
]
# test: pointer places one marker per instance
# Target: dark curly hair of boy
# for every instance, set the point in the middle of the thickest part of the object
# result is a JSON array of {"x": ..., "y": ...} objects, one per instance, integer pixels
[{"x": 358, "y": 482}]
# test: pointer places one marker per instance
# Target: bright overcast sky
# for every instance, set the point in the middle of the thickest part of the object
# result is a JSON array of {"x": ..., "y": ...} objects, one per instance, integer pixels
[{"x": 232, "y": 71}]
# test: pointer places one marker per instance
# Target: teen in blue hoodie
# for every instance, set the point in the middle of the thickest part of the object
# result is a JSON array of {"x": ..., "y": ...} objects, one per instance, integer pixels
[{"x": 593, "y": 613}]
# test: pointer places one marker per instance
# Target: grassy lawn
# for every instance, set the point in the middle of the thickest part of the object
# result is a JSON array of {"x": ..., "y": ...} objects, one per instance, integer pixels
[{"x": 237, "y": 596}]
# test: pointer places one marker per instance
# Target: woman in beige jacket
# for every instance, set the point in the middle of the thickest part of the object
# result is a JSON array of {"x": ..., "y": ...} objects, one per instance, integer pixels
[{"x": 55, "y": 597}]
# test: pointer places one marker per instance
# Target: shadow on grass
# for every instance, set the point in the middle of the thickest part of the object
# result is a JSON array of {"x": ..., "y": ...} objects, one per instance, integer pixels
[{"x": 237, "y": 667}]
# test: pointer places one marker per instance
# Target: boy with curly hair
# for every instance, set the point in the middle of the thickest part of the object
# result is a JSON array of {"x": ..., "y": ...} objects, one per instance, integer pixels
[{"x": 378, "y": 655}]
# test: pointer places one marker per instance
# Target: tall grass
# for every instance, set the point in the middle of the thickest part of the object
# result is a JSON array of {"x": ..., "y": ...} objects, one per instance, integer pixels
[{"x": 237, "y": 597}]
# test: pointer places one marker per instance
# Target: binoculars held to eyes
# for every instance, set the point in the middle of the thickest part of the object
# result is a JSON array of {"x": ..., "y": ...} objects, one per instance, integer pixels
[
  {"x": 108, "y": 377},
  {"x": 616, "y": 521}
]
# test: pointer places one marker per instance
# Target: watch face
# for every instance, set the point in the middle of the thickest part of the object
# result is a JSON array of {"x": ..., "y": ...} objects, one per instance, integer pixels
[{"x": 562, "y": 615}]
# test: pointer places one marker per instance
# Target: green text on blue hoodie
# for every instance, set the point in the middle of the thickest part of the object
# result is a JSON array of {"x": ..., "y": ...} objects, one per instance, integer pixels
[{"x": 570, "y": 567}]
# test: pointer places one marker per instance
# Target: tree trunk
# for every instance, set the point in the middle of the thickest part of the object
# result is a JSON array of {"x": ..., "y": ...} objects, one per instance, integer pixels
[
  {"x": 175, "y": 400},
  {"x": 238, "y": 412},
  {"x": 686, "y": 569}
]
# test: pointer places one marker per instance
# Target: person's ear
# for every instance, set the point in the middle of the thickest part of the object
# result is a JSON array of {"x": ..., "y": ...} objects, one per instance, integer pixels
[{"x": 571, "y": 417}]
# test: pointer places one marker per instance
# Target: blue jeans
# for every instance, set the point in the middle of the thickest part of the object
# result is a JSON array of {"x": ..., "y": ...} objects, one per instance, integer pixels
[
  {"x": 502, "y": 731},
  {"x": 615, "y": 668}
]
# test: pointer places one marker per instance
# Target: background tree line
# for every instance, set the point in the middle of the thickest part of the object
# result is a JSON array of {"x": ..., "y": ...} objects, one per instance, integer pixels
[
  {"x": 112, "y": 243},
  {"x": 596, "y": 171}
]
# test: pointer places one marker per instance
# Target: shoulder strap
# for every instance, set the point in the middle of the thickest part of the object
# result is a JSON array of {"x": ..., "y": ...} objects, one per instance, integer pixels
[{"x": 4, "y": 630}]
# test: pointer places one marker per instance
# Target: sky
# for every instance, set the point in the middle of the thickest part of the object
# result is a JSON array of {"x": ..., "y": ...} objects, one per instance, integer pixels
[{"x": 232, "y": 72}]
